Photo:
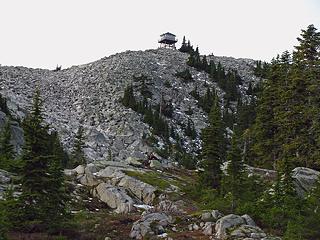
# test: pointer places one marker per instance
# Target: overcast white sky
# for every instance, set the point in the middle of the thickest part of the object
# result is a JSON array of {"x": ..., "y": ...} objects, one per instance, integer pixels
[{"x": 44, "y": 33}]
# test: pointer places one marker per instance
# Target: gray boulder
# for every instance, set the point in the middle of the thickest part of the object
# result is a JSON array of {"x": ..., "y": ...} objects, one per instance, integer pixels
[
  {"x": 108, "y": 172},
  {"x": 133, "y": 161},
  {"x": 247, "y": 232},
  {"x": 156, "y": 164},
  {"x": 208, "y": 228},
  {"x": 114, "y": 197},
  {"x": 216, "y": 214},
  {"x": 17, "y": 137},
  {"x": 206, "y": 216},
  {"x": 227, "y": 222},
  {"x": 145, "y": 192},
  {"x": 5, "y": 177},
  {"x": 90, "y": 168},
  {"x": 79, "y": 169},
  {"x": 304, "y": 179},
  {"x": 168, "y": 206},
  {"x": 70, "y": 173},
  {"x": 150, "y": 224},
  {"x": 248, "y": 220},
  {"x": 88, "y": 180}
]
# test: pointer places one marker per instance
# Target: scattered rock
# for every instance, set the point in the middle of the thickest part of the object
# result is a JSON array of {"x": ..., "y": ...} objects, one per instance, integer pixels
[
  {"x": 88, "y": 180},
  {"x": 208, "y": 228},
  {"x": 114, "y": 197},
  {"x": 79, "y": 170},
  {"x": 70, "y": 173},
  {"x": 246, "y": 231},
  {"x": 155, "y": 164},
  {"x": 150, "y": 224},
  {"x": 145, "y": 192},
  {"x": 227, "y": 222},
  {"x": 216, "y": 214},
  {"x": 304, "y": 179},
  {"x": 133, "y": 161},
  {"x": 90, "y": 169},
  {"x": 168, "y": 206},
  {"x": 206, "y": 216},
  {"x": 5, "y": 177},
  {"x": 248, "y": 220},
  {"x": 195, "y": 227}
]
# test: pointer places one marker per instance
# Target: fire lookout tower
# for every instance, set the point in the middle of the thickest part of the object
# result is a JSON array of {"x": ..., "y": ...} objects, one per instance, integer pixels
[{"x": 168, "y": 40}]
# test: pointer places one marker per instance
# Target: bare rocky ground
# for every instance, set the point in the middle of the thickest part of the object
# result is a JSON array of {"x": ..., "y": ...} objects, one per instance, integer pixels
[
  {"x": 115, "y": 200},
  {"x": 122, "y": 199},
  {"x": 90, "y": 94}
]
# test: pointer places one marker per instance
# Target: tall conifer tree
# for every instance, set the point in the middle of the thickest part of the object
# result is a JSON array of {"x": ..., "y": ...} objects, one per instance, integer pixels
[{"x": 212, "y": 148}]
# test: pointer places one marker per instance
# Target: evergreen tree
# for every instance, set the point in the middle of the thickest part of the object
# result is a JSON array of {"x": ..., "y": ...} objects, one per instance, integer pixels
[
  {"x": 263, "y": 132},
  {"x": 311, "y": 221},
  {"x": 42, "y": 200},
  {"x": 212, "y": 148},
  {"x": 7, "y": 153},
  {"x": 309, "y": 45},
  {"x": 190, "y": 131},
  {"x": 234, "y": 180},
  {"x": 185, "y": 75},
  {"x": 128, "y": 99},
  {"x": 212, "y": 70},
  {"x": 57, "y": 148},
  {"x": 77, "y": 155},
  {"x": 204, "y": 64},
  {"x": 184, "y": 47}
]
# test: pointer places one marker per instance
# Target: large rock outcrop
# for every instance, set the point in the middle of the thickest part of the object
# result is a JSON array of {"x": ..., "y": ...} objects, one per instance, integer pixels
[
  {"x": 90, "y": 94},
  {"x": 17, "y": 138},
  {"x": 150, "y": 224},
  {"x": 227, "y": 222},
  {"x": 145, "y": 192},
  {"x": 114, "y": 197},
  {"x": 304, "y": 179}
]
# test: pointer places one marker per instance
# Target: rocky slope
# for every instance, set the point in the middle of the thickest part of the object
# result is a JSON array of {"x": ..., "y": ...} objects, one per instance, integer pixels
[{"x": 90, "y": 94}]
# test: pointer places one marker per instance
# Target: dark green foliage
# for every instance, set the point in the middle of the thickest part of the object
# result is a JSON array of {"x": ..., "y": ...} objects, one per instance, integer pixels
[
  {"x": 128, "y": 99},
  {"x": 160, "y": 126},
  {"x": 261, "y": 69},
  {"x": 311, "y": 220},
  {"x": 189, "y": 111},
  {"x": 307, "y": 52},
  {"x": 167, "y": 84},
  {"x": 3, "y": 221},
  {"x": 144, "y": 85},
  {"x": 186, "y": 47},
  {"x": 8, "y": 212},
  {"x": 186, "y": 160},
  {"x": 165, "y": 108},
  {"x": 212, "y": 148},
  {"x": 190, "y": 131},
  {"x": 287, "y": 124},
  {"x": 77, "y": 155},
  {"x": 185, "y": 76},
  {"x": 194, "y": 93},
  {"x": 7, "y": 153},
  {"x": 42, "y": 202},
  {"x": 206, "y": 101},
  {"x": 150, "y": 116},
  {"x": 227, "y": 81},
  {"x": 194, "y": 60},
  {"x": 246, "y": 115},
  {"x": 57, "y": 148},
  {"x": 250, "y": 90},
  {"x": 234, "y": 180}
]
